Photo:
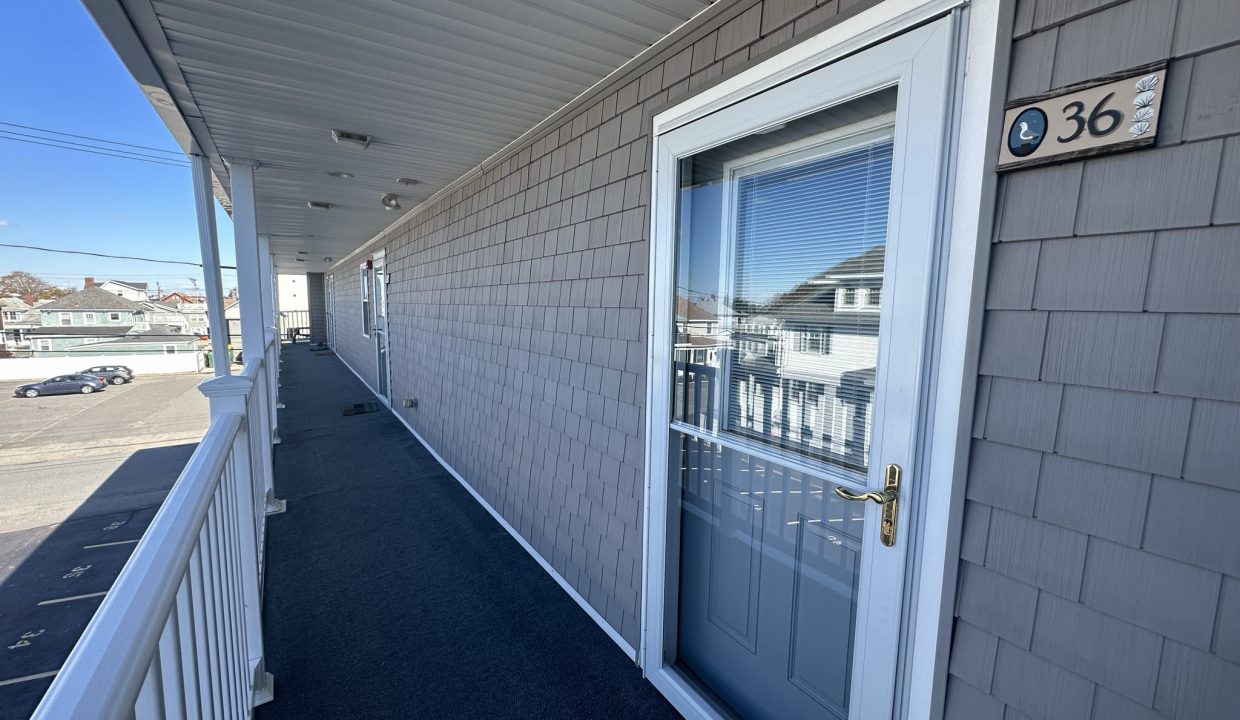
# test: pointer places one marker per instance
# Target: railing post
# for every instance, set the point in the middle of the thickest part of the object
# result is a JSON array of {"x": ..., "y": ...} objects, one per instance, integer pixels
[{"x": 230, "y": 395}]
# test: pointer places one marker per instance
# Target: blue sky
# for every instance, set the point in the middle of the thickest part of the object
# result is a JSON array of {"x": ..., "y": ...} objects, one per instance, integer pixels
[{"x": 60, "y": 74}]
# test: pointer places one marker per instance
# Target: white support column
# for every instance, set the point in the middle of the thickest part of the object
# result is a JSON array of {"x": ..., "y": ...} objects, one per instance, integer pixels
[
  {"x": 254, "y": 333},
  {"x": 269, "y": 282},
  {"x": 266, "y": 265},
  {"x": 204, "y": 204},
  {"x": 249, "y": 266},
  {"x": 230, "y": 395}
]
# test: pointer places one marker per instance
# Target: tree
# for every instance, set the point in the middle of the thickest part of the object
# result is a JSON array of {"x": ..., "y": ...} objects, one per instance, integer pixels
[{"x": 30, "y": 287}]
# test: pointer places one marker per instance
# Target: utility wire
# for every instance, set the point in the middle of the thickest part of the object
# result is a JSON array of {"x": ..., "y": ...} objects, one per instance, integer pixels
[
  {"x": 177, "y": 153},
  {"x": 115, "y": 257},
  {"x": 134, "y": 153},
  {"x": 106, "y": 152}
]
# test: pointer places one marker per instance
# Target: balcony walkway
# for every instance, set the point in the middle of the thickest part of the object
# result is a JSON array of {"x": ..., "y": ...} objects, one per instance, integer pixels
[{"x": 392, "y": 594}]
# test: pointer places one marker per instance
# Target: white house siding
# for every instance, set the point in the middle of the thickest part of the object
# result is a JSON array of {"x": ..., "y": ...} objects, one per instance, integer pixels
[
  {"x": 518, "y": 309},
  {"x": 1101, "y": 556}
]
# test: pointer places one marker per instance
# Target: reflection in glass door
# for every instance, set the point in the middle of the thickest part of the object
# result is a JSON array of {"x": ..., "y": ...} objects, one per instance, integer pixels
[
  {"x": 781, "y": 301},
  {"x": 382, "y": 368},
  {"x": 329, "y": 310}
]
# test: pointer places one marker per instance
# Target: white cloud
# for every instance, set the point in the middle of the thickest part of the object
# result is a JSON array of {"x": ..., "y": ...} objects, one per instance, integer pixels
[{"x": 4, "y": 223}]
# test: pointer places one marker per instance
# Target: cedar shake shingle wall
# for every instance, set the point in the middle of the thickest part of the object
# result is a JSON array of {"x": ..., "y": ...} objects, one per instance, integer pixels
[
  {"x": 1101, "y": 555},
  {"x": 354, "y": 348},
  {"x": 518, "y": 308}
]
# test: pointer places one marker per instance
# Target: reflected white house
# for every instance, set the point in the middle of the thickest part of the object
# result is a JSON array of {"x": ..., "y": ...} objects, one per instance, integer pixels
[{"x": 799, "y": 369}]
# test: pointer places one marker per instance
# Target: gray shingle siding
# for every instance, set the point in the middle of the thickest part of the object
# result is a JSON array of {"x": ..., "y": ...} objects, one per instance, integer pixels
[
  {"x": 1133, "y": 414},
  {"x": 518, "y": 309}
]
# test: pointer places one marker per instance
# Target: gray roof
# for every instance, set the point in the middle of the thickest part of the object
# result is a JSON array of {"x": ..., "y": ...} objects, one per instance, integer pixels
[
  {"x": 142, "y": 340},
  {"x": 82, "y": 330},
  {"x": 92, "y": 298},
  {"x": 13, "y": 303},
  {"x": 134, "y": 285}
]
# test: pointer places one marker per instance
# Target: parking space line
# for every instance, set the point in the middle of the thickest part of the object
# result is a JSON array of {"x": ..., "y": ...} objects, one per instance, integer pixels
[
  {"x": 73, "y": 597},
  {"x": 36, "y": 676},
  {"x": 109, "y": 544},
  {"x": 68, "y": 417}
]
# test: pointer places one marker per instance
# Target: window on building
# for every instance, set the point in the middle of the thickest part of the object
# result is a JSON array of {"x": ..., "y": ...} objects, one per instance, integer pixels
[
  {"x": 89, "y": 318},
  {"x": 170, "y": 349},
  {"x": 89, "y": 341},
  {"x": 850, "y": 296},
  {"x": 818, "y": 343},
  {"x": 875, "y": 294},
  {"x": 66, "y": 318},
  {"x": 366, "y": 319},
  {"x": 115, "y": 317},
  {"x": 45, "y": 344}
]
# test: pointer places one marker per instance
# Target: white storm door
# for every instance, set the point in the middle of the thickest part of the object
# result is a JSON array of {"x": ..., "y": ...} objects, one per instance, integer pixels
[{"x": 795, "y": 235}]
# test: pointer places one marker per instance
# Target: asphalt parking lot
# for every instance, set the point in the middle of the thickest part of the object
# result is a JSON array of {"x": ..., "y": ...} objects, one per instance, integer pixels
[{"x": 81, "y": 477}]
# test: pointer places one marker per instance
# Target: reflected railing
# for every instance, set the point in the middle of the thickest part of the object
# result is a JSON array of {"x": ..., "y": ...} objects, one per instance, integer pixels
[
  {"x": 179, "y": 634},
  {"x": 828, "y": 420}
]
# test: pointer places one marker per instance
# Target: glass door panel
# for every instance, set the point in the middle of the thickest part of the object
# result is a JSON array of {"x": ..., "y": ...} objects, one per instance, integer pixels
[
  {"x": 382, "y": 370},
  {"x": 780, "y": 267}
]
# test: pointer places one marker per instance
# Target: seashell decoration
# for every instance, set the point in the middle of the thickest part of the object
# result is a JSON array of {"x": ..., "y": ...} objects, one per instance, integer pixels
[
  {"x": 1143, "y": 103},
  {"x": 1147, "y": 83}
]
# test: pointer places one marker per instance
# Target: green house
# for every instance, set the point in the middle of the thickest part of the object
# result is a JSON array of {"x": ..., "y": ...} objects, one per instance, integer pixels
[{"x": 94, "y": 321}]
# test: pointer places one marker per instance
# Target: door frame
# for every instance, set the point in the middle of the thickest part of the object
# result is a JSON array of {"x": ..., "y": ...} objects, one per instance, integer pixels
[
  {"x": 329, "y": 309},
  {"x": 975, "y": 74},
  {"x": 380, "y": 256}
]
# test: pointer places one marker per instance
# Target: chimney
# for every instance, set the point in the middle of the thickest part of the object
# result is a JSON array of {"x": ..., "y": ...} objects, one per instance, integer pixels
[{"x": 90, "y": 283}]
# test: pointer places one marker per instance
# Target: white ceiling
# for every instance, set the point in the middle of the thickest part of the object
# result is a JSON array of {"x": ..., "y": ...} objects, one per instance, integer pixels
[{"x": 440, "y": 84}]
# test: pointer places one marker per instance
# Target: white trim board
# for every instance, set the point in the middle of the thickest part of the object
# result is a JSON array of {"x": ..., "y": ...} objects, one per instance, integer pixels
[{"x": 612, "y": 633}]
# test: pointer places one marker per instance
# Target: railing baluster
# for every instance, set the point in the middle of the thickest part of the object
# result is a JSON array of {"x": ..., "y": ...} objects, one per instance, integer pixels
[
  {"x": 211, "y": 619},
  {"x": 170, "y": 666},
  {"x": 222, "y": 629},
  {"x": 189, "y": 657},
  {"x": 236, "y": 644},
  {"x": 202, "y": 642},
  {"x": 149, "y": 704}
]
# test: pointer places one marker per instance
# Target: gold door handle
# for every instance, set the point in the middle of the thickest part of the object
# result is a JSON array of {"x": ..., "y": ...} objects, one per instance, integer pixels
[
  {"x": 888, "y": 497},
  {"x": 878, "y": 497}
]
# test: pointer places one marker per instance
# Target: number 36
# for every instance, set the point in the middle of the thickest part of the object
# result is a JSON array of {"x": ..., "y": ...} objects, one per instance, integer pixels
[{"x": 1099, "y": 123}]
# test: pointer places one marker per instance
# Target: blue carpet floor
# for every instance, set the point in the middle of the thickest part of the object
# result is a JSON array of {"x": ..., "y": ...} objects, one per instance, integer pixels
[{"x": 391, "y": 593}]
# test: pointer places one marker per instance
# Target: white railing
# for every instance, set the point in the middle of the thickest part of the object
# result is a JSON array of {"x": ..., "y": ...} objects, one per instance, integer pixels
[{"x": 179, "y": 634}]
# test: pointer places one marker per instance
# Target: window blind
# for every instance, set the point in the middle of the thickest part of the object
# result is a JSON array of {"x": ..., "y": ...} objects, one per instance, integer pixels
[{"x": 809, "y": 254}]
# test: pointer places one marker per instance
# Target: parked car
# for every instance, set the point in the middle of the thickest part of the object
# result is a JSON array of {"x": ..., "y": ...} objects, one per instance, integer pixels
[
  {"x": 62, "y": 385},
  {"x": 115, "y": 374}
]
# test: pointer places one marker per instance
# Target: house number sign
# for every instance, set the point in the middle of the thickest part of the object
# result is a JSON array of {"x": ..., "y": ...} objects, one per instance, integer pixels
[{"x": 1104, "y": 116}]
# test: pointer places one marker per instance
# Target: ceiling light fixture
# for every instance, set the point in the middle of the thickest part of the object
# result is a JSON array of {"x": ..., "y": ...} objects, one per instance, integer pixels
[
  {"x": 300, "y": 259},
  {"x": 342, "y": 136},
  {"x": 302, "y": 252},
  {"x": 327, "y": 259},
  {"x": 407, "y": 181},
  {"x": 318, "y": 205},
  {"x": 340, "y": 174},
  {"x": 390, "y": 201}
]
